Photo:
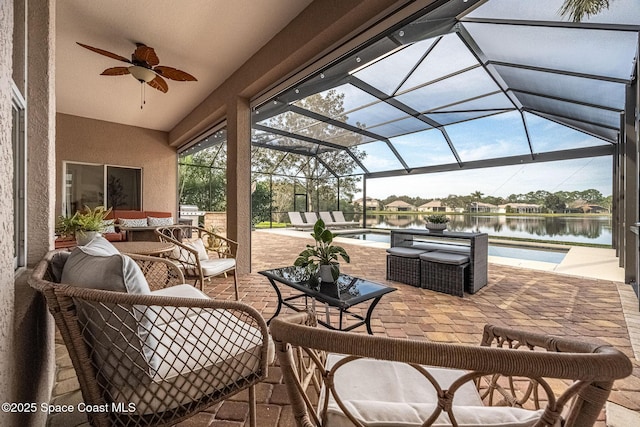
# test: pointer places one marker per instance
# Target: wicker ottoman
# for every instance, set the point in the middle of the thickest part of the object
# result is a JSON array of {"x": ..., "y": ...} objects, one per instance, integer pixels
[
  {"x": 444, "y": 272},
  {"x": 403, "y": 265}
]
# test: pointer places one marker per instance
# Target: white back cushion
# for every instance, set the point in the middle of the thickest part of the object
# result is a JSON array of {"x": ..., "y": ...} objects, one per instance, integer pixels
[
  {"x": 198, "y": 245},
  {"x": 133, "y": 222},
  {"x": 159, "y": 222},
  {"x": 119, "y": 336}
]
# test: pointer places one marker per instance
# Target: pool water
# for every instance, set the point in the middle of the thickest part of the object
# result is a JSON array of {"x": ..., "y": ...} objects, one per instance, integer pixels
[{"x": 544, "y": 255}]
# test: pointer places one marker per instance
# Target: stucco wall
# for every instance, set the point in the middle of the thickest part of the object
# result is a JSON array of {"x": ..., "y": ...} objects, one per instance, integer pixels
[
  {"x": 6, "y": 215},
  {"x": 94, "y": 141},
  {"x": 41, "y": 107},
  {"x": 26, "y": 330}
]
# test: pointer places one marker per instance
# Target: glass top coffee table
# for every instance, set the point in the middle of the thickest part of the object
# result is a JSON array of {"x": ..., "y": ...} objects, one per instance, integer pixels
[{"x": 345, "y": 293}]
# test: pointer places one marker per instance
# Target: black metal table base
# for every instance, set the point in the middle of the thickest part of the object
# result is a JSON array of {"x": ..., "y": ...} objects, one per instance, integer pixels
[{"x": 343, "y": 312}]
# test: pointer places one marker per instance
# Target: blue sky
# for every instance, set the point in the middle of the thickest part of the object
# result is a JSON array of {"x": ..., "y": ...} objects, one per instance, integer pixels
[{"x": 568, "y": 175}]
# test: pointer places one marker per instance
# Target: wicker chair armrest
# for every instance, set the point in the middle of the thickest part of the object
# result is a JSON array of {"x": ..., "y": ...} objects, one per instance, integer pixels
[
  {"x": 223, "y": 246},
  {"x": 605, "y": 362},
  {"x": 592, "y": 368}
]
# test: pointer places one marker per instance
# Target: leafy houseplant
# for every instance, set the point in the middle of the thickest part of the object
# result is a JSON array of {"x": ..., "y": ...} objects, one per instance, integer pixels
[
  {"x": 323, "y": 253},
  {"x": 83, "y": 224},
  {"x": 437, "y": 222}
]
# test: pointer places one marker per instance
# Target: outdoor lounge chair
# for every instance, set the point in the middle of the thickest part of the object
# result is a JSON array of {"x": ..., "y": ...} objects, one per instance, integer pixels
[
  {"x": 369, "y": 380},
  {"x": 330, "y": 222},
  {"x": 150, "y": 350},
  {"x": 297, "y": 222},
  {"x": 311, "y": 217},
  {"x": 200, "y": 254},
  {"x": 339, "y": 217}
]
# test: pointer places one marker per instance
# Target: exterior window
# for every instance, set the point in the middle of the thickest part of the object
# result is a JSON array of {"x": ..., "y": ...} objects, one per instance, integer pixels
[
  {"x": 87, "y": 184},
  {"x": 19, "y": 178}
]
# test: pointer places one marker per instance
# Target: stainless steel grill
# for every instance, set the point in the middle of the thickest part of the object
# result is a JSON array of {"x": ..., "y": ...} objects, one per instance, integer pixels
[{"x": 190, "y": 213}]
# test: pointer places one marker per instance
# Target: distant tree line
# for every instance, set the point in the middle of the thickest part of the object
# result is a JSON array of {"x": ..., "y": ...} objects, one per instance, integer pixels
[{"x": 552, "y": 202}]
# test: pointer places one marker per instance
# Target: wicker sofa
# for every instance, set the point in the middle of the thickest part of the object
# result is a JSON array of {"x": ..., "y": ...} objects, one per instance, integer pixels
[{"x": 147, "y": 349}]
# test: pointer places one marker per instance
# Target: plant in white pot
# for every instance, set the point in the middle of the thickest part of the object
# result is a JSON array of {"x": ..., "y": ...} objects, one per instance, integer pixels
[
  {"x": 323, "y": 255},
  {"x": 84, "y": 225},
  {"x": 437, "y": 222}
]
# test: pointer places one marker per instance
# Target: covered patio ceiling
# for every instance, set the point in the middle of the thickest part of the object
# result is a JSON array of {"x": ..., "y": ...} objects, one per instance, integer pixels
[{"x": 467, "y": 84}]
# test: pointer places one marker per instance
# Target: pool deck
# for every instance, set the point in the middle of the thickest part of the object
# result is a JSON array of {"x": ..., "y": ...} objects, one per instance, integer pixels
[{"x": 583, "y": 296}]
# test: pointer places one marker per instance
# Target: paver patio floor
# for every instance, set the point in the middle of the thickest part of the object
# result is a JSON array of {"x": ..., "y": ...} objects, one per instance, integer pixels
[{"x": 517, "y": 297}]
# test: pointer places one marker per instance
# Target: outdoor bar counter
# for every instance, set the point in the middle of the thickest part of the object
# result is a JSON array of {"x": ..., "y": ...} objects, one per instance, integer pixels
[{"x": 477, "y": 245}]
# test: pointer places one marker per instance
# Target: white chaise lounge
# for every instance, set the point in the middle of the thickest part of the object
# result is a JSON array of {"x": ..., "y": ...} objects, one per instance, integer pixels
[
  {"x": 298, "y": 223},
  {"x": 339, "y": 217}
]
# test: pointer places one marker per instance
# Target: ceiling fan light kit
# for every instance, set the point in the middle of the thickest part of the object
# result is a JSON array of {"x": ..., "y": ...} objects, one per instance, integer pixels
[
  {"x": 143, "y": 75},
  {"x": 144, "y": 68}
]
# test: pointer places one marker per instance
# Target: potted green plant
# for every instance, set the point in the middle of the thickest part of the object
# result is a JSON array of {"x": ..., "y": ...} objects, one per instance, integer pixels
[
  {"x": 323, "y": 255},
  {"x": 84, "y": 224},
  {"x": 437, "y": 223}
]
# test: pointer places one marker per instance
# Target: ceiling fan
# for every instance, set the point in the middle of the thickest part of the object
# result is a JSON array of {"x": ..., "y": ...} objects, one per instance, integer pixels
[{"x": 144, "y": 67}]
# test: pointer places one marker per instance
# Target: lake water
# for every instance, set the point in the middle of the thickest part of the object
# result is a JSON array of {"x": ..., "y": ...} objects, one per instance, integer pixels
[
  {"x": 509, "y": 251},
  {"x": 571, "y": 229}
]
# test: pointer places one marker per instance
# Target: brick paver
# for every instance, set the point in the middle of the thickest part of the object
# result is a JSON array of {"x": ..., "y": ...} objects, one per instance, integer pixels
[{"x": 551, "y": 303}]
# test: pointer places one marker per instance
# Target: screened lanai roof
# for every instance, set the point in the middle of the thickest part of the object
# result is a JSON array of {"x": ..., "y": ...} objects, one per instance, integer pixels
[{"x": 468, "y": 84}]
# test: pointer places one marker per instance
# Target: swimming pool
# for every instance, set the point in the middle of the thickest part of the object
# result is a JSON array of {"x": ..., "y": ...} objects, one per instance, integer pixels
[
  {"x": 554, "y": 256},
  {"x": 545, "y": 255}
]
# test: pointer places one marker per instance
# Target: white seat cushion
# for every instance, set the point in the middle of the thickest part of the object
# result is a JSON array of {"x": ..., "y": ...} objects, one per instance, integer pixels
[
  {"x": 199, "y": 353},
  {"x": 391, "y": 394},
  {"x": 403, "y": 252},
  {"x": 215, "y": 266},
  {"x": 445, "y": 258},
  {"x": 190, "y": 291}
]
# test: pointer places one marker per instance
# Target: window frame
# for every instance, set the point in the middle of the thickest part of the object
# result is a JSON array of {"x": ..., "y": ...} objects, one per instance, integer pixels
[
  {"x": 105, "y": 167},
  {"x": 19, "y": 154}
]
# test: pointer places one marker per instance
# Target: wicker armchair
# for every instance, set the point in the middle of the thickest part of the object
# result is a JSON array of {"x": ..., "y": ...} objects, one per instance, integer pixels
[
  {"x": 200, "y": 253},
  {"x": 365, "y": 380},
  {"x": 155, "y": 359}
]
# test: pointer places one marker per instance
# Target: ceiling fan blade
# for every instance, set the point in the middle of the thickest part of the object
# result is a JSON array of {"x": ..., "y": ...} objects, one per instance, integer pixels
[
  {"x": 159, "y": 83},
  {"x": 115, "y": 71},
  {"x": 174, "y": 74},
  {"x": 105, "y": 53},
  {"x": 146, "y": 54}
]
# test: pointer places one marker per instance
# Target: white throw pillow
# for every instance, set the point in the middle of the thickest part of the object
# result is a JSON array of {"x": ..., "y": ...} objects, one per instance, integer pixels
[
  {"x": 133, "y": 222},
  {"x": 159, "y": 222},
  {"x": 109, "y": 226},
  {"x": 198, "y": 245}
]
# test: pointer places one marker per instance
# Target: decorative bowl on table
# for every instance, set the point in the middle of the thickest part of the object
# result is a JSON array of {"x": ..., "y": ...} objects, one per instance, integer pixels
[
  {"x": 432, "y": 226},
  {"x": 436, "y": 223}
]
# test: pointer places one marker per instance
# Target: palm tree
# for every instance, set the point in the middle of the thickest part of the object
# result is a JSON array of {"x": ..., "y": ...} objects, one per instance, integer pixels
[
  {"x": 477, "y": 195},
  {"x": 577, "y": 9}
]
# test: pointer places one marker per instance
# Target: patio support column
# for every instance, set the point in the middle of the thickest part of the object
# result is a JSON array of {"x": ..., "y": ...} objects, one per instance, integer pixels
[
  {"x": 620, "y": 207},
  {"x": 615, "y": 200},
  {"x": 631, "y": 183},
  {"x": 239, "y": 180},
  {"x": 41, "y": 119},
  {"x": 364, "y": 201}
]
